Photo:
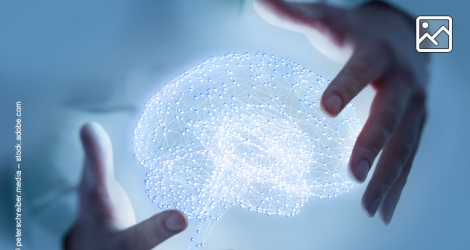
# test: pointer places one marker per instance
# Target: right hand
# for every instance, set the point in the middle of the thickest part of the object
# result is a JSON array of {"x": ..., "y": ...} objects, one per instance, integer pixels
[{"x": 375, "y": 42}]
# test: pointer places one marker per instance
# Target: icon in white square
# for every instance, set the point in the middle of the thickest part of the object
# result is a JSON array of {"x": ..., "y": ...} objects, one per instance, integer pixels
[{"x": 434, "y": 34}]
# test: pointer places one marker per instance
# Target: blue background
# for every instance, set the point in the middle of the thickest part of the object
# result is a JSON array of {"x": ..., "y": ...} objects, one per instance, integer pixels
[{"x": 101, "y": 60}]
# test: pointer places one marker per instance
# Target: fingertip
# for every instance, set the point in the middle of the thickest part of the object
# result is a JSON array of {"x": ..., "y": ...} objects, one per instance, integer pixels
[
  {"x": 352, "y": 176},
  {"x": 370, "y": 206},
  {"x": 155, "y": 230},
  {"x": 331, "y": 104},
  {"x": 89, "y": 126},
  {"x": 94, "y": 136},
  {"x": 385, "y": 219},
  {"x": 386, "y": 214},
  {"x": 89, "y": 131},
  {"x": 175, "y": 221}
]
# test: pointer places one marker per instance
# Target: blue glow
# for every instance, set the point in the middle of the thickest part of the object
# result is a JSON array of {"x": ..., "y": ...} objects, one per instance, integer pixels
[{"x": 243, "y": 130}]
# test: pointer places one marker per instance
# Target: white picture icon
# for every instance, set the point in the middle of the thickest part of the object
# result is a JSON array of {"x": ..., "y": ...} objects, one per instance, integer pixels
[{"x": 434, "y": 34}]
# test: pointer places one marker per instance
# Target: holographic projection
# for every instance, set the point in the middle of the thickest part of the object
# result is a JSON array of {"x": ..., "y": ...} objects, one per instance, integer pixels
[{"x": 246, "y": 131}]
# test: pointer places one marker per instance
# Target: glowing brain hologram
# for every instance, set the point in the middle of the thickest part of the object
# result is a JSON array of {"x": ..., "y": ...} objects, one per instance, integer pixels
[{"x": 243, "y": 130}]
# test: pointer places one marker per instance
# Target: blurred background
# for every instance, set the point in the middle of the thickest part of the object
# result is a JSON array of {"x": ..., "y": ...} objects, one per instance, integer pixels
[{"x": 73, "y": 62}]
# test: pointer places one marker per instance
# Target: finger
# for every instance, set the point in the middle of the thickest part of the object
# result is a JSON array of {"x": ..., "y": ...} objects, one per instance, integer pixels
[
  {"x": 98, "y": 150},
  {"x": 153, "y": 231},
  {"x": 394, "y": 157},
  {"x": 387, "y": 110},
  {"x": 299, "y": 17},
  {"x": 365, "y": 65},
  {"x": 98, "y": 169},
  {"x": 387, "y": 209}
]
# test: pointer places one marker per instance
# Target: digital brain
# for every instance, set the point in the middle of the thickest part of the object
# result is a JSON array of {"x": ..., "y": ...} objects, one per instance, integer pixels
[{"x": 247, "y": 131}]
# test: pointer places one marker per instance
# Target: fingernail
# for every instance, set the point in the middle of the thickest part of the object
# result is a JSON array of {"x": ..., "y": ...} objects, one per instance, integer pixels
[
  {"x": 333, "y": 104},
  {"x": 361, "y": 170},
  {"x": 175, "y": 222},
  {"x": 373, "y": 206}
]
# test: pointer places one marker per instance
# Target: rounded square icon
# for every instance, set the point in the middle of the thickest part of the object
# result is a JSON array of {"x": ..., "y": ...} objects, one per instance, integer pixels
[{"x": 434, "y": 34}]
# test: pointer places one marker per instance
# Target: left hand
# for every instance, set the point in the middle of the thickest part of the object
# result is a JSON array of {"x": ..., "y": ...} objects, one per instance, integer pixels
[
  {"x": 106, "y": 218},
  {"x": 375, "y": 42}
]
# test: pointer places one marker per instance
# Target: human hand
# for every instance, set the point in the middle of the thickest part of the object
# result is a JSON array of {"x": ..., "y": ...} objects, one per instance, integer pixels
[
  {"x": 376, "y": 44},
  {"x": 106, "y": 218}
]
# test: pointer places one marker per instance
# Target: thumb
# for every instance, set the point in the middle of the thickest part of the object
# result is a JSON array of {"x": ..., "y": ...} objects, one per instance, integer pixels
[
  {"x": 327, "y": 27},
  {"x": 97, "y": 172},
  {"x": 154, "y": 230},
  {"x": 304, "y": 18},
  {"x": 299, "y": 17}
]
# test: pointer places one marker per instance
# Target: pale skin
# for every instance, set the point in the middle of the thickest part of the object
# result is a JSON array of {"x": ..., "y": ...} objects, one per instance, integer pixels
[
  {"x": 375, "y": 43},
  {"x": 106, "y": 218}
]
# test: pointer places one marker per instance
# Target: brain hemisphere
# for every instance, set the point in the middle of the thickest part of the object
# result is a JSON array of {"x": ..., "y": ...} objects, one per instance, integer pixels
[{"x": 243, "y": 130}]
